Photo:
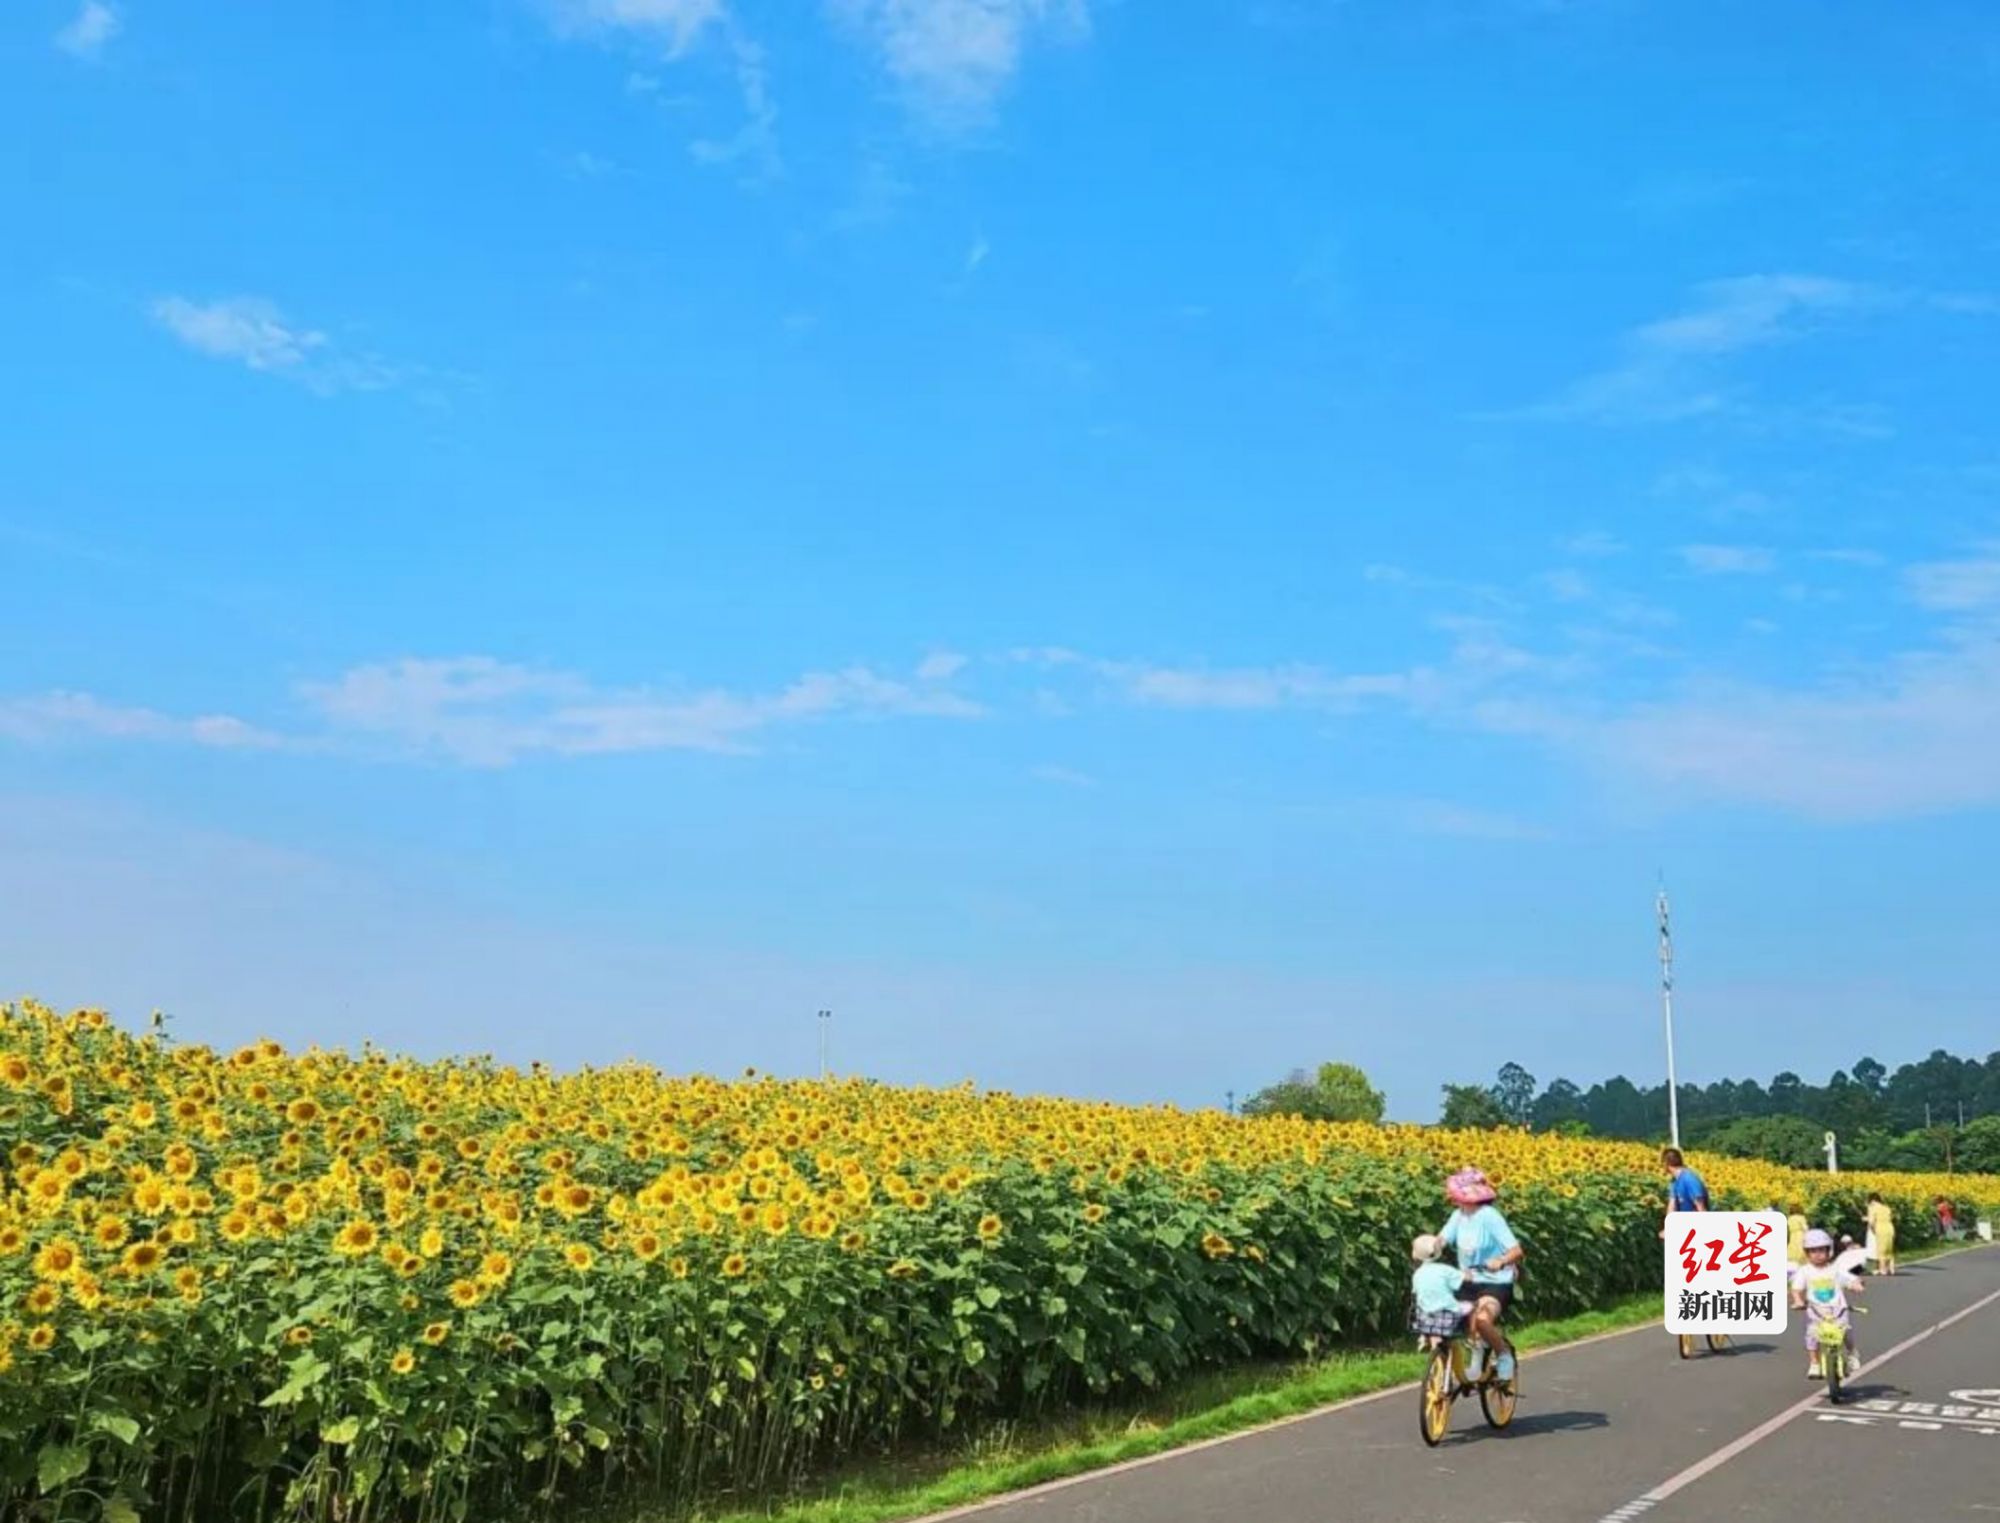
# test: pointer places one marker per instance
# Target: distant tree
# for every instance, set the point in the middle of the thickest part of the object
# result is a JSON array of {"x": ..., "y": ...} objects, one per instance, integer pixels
[
  {"x": 1869, "y": 1074},
  {"x": 1979, "y": 1146},
  {"x": 1847, "y": 1108},
  {"x": 1916, "y": 1151},
  {"x": 1788, "y": 1093},
  {"x": 1560, "y": 1105},
  {"x": 1514, "y": 1093},
  {"x": 1615, "y": 1108},
  {"x": 1471, "y": 1107},
  {"x": 1986, "y": 1098},
  {"x": 1335, "y": 1092},
  {"x": 1789, "y": 1140}
]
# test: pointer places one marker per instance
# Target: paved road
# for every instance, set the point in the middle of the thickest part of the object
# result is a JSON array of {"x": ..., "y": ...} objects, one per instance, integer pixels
[{"x": 1619, "y": 1430}]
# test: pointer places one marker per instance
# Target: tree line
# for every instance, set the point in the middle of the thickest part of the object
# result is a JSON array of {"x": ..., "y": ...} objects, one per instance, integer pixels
[{"x": 1941, "y": 1114}]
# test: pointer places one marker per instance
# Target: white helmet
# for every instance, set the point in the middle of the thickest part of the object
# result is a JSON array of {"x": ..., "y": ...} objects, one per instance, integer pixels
[
  {"x": 1818, "y": 1238},
  {"x": 1425, "y": 1248}
]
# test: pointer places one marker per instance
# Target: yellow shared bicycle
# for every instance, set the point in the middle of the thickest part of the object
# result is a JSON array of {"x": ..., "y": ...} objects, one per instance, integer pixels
[
  {"x": 1445, "y": 1379},
  {"x": 1717, "y": 1342}
]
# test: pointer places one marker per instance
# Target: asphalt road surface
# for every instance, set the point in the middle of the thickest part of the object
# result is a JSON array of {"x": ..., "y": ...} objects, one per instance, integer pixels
[{"x": 1620, "y": 1429}]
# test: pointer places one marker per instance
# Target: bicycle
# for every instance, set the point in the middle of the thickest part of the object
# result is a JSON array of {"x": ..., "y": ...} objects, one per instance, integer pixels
[
  {"x": 1444, "y": 1382},
  {"x": 1833, "y": 1337},
  {"x": 1717, "y": 1343}
]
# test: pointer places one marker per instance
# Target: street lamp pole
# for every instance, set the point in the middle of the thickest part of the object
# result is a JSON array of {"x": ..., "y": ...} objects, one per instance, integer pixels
[
  {"x": 825, "y": 1020},
  {"x": 1667, "y": 1011}
]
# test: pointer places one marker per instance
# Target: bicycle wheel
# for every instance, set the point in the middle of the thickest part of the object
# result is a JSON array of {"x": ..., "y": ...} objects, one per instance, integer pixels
[
  {"x": 1434, "y": 1397},
  {"x": 1686, "y": 1342},
  {"x": 1498, "y": 1401},
  {"x": 1834, "y": 1363},
  {"x": 1717, "y": 1342}
]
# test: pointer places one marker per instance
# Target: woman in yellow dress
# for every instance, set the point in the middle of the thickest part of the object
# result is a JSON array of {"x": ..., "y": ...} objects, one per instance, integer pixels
[
  {"x": 1882, "y": 1232},
  {"x": 1795, "y": 1235}
]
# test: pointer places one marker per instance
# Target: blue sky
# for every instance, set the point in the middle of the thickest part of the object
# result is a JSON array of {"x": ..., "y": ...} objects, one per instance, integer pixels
[{"x": 1120, "y": 547}]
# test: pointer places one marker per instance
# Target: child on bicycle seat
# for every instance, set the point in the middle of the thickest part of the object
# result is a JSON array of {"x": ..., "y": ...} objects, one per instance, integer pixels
[
  {"x": 1436, "y": 1310},
  {"x": 1435, "y": 1283}
]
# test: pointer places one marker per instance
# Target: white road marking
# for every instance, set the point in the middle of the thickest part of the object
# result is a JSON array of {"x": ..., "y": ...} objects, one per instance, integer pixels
[{"x": 1771, "y": 1425}]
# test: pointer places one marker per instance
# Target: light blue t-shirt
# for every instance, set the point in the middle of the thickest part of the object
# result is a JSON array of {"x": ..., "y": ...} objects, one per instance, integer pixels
[
  {"x": 1436, "y": 1286},
  {"x": 1480, "y": 1238}
]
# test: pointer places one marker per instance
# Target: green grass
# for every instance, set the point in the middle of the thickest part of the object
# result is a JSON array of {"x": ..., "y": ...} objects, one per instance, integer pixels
[{"x": 1007, "y": 1458}]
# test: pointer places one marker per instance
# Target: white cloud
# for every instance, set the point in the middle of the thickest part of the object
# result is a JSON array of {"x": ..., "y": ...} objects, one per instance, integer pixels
[
  {"x": 677, "y": 23},
  {"x": 976, "y": 255},
  {"x": 94, "y": 25},
  {"x": 1669, "y": 370},
  {"x": 1567, "y": 585},
  {"x": 1066, "y": 777},
  {"x": 1257, "y": 687},
  {"x": 1046, "y": 655},
  {"x": 1717, "y": 495},
  {"x": 585, "y": 165},
  {"x": 1592, "y": 544},
  {"x": 1728, "y": 560},
  {"x": 754, "y": 145},
  {"x": 485, "y": 712},
  {"x": 953, "y": 58},
  {"x": 1443, "y": 818},
  {"x": 1747, "y": 312},
  {"x": 245, "y": 328},
  {"x": 940, "y": 666},
  {"x": 1971, "y": 585},
  {"x": 879, "y": 193},
  {"x": 55, "y": 717},
  {"x": 253, "y": 332},
  {"x": 1917, "y": 736}
]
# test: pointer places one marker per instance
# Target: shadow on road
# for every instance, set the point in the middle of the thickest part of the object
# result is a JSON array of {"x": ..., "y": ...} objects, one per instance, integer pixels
[
  {"x": 1877, "y": 1391},
  {"x": 1540, "y": 1422}
]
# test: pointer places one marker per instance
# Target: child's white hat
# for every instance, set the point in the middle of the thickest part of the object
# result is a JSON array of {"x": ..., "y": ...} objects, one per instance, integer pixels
[{"x": 1424, "y": 1248}]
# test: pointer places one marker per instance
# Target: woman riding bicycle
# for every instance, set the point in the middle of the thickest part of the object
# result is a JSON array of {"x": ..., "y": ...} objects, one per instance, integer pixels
[{"x": 1488, "y": 1253}]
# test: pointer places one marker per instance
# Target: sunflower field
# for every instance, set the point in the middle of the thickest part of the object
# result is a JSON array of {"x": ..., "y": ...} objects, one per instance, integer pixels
[{"x": 288, "y": 1287}]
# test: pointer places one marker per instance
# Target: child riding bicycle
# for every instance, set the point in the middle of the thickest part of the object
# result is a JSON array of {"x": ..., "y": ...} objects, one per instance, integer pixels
[{"x": 1820, "y": 1289}]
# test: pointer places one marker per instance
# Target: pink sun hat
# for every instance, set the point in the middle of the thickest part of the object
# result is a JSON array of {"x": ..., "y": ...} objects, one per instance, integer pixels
[{"x": 1469, "y": 1187}]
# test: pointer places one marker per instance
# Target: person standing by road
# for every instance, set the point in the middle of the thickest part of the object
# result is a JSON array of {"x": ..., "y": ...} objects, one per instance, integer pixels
[{"x": 1882, "y": 1233}]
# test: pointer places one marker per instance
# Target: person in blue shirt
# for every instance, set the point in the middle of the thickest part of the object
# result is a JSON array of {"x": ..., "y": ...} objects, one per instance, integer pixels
[
  {"x": 1686, "y": 1191},
  {"x": 1488, "y": 1254}
]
